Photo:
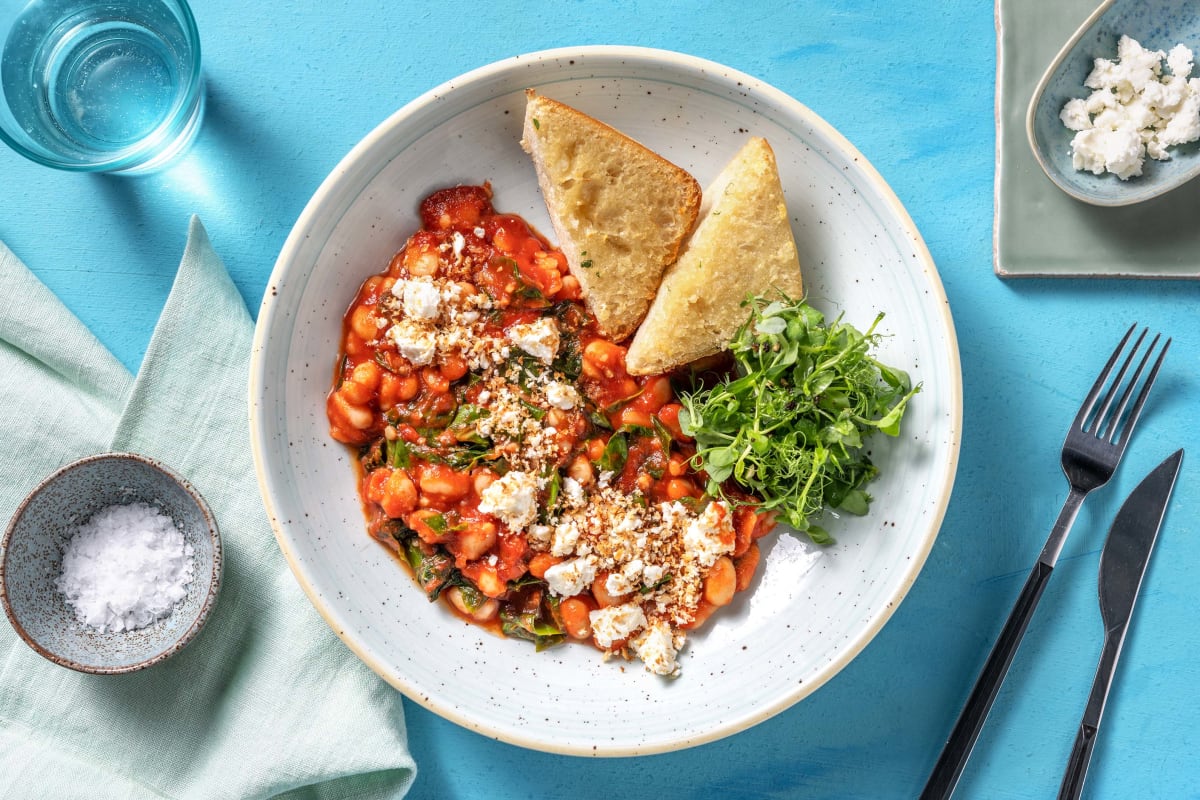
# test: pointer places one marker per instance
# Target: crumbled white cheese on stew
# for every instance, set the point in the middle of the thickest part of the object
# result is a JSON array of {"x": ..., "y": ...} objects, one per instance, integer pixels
[
  {"x": 561, "y": 395},
  {"x": 566, "y": 536},
  {"x": 415, "y": 343},
  {"x": 618, "y": 584},
  {"x": 422, "y": 300},
  {"x": 612, "y": 624},
  {"x": 569, "y": 578},
  {"x": 539, "y": 338},
  {"x": 512, "y": 498},
  {"x": 706, "y": 536},
  {"x": 573, "y": 495},
  {"x": 539, "y": 536}
]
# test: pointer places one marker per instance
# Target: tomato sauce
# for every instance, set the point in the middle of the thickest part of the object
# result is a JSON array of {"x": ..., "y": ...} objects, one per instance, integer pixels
[{"x": 479, "y": 393}]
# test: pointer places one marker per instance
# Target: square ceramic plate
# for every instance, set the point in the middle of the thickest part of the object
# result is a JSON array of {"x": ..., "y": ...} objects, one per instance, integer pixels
[{"x": 1039, "y": 230}]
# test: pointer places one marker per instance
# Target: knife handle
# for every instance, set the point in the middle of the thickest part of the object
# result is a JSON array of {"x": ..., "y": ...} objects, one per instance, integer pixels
[
  {"x": 1077, "y": 764},
  {"x": 950, "y": 763},
  {"x": 1089, "y": 726}
]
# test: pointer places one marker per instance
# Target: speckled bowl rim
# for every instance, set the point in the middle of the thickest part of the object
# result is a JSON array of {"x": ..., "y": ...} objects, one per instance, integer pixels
[
  {"x": 205, "y": 608},
  {"x": 945, "y": 477}
]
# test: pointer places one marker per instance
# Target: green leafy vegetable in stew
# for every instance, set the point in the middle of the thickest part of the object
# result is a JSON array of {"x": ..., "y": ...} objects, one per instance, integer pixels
[
  {"x": 532, "y": 615},
  {"x": 434, "y": 571},
  {"x": 790, "y": 423}
]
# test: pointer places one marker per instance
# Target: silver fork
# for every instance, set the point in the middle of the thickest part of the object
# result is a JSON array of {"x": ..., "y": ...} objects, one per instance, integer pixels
[{"x": 1091, "y": 452}]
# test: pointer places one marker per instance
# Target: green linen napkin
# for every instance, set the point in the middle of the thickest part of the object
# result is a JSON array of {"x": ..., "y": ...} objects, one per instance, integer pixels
[{"x": 266, "y": 701}]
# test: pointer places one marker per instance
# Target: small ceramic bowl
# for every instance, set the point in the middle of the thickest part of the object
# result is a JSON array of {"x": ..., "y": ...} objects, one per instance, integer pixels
[
  {"x": 1156, "y": 25},
  {"x": 31, "y": 556}
]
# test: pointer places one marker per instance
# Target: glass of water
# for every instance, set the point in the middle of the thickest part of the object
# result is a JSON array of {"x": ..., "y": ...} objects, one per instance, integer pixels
[{"x": 98, "y": 86}]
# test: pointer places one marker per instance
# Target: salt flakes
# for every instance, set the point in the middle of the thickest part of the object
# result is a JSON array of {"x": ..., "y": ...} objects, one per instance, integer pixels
[{"x": 126, "y": 568}]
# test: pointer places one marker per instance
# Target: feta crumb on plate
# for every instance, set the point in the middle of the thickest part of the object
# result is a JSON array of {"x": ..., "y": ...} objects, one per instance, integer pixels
[
  {"x": 710, "y": 535},
  {"x": 655, "y": 646},
  {"x": 561, "y": 395}
]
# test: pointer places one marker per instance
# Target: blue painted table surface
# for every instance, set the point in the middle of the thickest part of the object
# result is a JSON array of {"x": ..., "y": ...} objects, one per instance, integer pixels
[{"x": 292, "y": 86}]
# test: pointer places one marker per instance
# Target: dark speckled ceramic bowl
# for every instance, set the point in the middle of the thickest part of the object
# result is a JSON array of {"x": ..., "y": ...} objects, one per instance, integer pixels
[{"x": 31, "y": 561}]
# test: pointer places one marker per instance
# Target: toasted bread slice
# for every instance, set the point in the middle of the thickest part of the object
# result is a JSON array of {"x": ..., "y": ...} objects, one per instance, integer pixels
[
  {"x": 620, "y": 212},
  {"x": 742, "y": 246}
]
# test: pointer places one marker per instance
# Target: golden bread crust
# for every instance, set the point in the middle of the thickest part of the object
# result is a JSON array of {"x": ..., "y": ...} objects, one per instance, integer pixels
[
  {"x": 742, "y": 246},
  {"x": 620, "y": 211}
]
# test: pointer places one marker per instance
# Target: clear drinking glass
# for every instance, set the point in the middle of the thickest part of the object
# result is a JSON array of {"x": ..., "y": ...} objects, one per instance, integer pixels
[{"x": 99, "y": 86}]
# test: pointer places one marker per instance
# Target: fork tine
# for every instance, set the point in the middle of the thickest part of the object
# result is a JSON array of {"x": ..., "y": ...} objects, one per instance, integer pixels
[
  {"x": 1141, "y": 399},
  {"x": 1094, "y": 425},
  {"x": 1089, "y": 402},
  {"x": 1111, "y": 428}
]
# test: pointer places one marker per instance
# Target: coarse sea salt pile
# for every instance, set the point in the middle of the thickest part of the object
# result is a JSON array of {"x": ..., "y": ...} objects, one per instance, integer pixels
[{"x": 125, "y": 568}]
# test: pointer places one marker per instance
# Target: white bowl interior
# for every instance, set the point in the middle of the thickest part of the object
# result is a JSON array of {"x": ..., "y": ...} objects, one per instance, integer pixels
[{"x": 811, "y": 611}]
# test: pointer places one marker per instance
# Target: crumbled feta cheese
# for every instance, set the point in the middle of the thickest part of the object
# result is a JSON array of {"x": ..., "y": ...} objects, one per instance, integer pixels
[
  {"x": 539, "y": 535},
  {"x": 569, "y": 578},
  {"x": 617, "y": 584},
  {"x": 674, "y": 514},
  {"x": 710, "y": 535},
  {"x": 1179, "y": 61},
  {"x": 513, "y": 498},
  {"x": 655, "y": 646},
  {"x": 452, "y": 294},
  {"x": 561, "y": 395},
  {"x": 633, "y": 569},
  {"x": 1100, "y": 150},
  {"x": 538, "y": 338},
  {"x": 421, "y": 298},
  {"x": 572, "y": 493},
  {"x": 1136, "y": 109},
  {"x": 566, "y": 536},
  {"x": 615, "y": 623},
  {"x": 414, "y": 342},
  {"x": 1075, "y": 114}
]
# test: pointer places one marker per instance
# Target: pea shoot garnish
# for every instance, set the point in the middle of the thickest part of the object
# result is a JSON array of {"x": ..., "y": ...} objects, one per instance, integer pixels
[{"x": 790, "y": 423}]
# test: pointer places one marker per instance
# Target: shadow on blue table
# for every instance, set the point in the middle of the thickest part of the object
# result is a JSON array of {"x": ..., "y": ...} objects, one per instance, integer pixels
[{"x": 238, "y": 172}]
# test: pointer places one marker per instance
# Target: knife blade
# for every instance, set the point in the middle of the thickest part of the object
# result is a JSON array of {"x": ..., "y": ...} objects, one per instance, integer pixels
[{"x": 1123, "y": 564}]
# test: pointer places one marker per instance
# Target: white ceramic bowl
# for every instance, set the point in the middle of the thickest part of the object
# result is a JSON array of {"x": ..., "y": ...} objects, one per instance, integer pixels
[{"x": 808, "y": 615}]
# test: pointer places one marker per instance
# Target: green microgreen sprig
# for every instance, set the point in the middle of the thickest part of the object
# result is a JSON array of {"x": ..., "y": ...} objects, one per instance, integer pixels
[{"x": 790, "y": 423}]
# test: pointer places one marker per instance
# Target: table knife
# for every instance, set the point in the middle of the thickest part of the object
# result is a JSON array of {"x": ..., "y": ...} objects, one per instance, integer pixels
[{"x": 1122, "y": 566}]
